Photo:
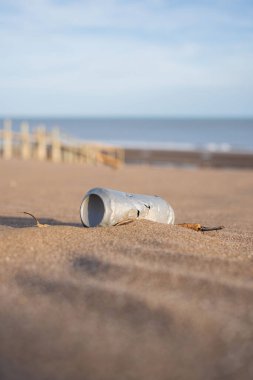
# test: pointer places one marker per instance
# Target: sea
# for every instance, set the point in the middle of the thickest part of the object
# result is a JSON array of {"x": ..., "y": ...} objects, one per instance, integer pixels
[{"x": 224, "y": 134}]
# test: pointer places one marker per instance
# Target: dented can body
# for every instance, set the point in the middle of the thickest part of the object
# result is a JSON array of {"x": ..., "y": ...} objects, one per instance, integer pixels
[{"x": 106, "y": 207}]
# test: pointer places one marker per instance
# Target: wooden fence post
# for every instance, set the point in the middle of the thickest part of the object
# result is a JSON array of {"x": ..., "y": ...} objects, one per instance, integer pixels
[
  {"x": 23, "y": 144},
  {"x": 65, "y": 154},
  {"x": 56, "y": 145},
  {"x": 84, "y": 153},
  {"x": 93, "y": 154},
  {"x": 25, "y": 141},
  {"x": 121, "y": 155},
  {"x": 68, "y": 156},
  {"x": 7, "y": 140},
  {"x": 88, "y": 154},
  {"x": 40, "y": 136}
]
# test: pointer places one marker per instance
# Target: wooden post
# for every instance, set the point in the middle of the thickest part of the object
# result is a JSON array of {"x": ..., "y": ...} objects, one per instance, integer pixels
[
  {"x": 76, "y": 155},
  {"x": 63, "y": 153},
  {"x": 88, "y": 154},
  {"x": 121, "y": 155},
  {"x": 80, "y": 155},
  {"x": 25, "y": 141},
  {"x": 73, "y": 154},
  {"x": 56, "y": 145},
  {"x": 40, "y": 135},
  {"x": 7, "y": 140},
  {"x": 93, "y": 154},
  {"x": 68, "y": 156},
  {"x": 84, "y": 153}
]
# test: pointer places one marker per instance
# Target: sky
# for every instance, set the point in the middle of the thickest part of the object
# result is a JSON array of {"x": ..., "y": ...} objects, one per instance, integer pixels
[{"x": 154, "y": 58}]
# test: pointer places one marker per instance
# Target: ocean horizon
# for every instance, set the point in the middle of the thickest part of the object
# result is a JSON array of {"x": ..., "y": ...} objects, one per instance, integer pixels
[{"x": 212, "y": 134}]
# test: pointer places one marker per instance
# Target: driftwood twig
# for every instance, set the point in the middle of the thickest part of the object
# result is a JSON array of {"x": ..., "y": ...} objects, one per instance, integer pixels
[
  {"x": 38, "y": 224},
  {"x": 199, "y": 227}
]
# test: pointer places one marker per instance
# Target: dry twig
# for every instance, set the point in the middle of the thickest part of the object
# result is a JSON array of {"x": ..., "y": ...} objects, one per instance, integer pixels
[
  {"x": 38, "y": 224},
  {"x": 199, "y": 227}
]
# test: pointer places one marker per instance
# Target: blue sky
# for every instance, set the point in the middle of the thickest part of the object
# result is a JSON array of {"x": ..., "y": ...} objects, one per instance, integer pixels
[{"x": 126, "y": 58}]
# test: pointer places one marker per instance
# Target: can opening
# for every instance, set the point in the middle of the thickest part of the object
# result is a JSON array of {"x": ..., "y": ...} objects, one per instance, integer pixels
[{"x": 92, "y": 210}]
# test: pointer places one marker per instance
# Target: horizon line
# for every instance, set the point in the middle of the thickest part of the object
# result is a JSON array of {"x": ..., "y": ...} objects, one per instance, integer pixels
[{"x": 112, "y": 117}]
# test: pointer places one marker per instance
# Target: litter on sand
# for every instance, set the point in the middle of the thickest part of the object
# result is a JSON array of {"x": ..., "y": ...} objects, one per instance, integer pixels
[{"x": 106, "y": 207}]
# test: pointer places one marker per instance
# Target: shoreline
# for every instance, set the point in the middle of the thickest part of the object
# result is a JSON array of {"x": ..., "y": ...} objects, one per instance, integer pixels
[{"x": 189, "y": 158}]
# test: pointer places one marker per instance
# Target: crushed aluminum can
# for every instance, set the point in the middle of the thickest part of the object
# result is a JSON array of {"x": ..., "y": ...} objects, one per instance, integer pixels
[{"x": 106, "y": 207}]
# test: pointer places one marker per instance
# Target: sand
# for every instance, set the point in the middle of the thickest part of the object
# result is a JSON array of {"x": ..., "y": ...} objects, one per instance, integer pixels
[{"x": 140, "y": 301}]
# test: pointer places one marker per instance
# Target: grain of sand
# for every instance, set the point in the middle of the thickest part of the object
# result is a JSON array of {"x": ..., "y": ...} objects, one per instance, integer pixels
[{"x": 140, "y": 301}]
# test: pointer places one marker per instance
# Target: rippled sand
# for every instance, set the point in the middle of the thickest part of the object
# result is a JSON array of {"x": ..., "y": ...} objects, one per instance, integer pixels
[{"x": 140, "y": 301}]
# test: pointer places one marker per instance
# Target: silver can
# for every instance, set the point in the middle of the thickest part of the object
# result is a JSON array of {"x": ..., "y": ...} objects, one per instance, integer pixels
[{"x": 106, "y": 207}]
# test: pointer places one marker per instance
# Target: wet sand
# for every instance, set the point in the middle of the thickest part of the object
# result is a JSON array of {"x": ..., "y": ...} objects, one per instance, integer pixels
[{"x": 140, "y": 301}]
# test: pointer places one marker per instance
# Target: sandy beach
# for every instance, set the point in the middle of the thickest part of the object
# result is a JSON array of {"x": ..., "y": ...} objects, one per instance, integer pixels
[{"x": 138, "y": 301}]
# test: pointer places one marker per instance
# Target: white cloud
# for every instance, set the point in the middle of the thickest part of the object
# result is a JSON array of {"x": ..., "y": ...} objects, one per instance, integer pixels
[{"x": 119, "y": 50}]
